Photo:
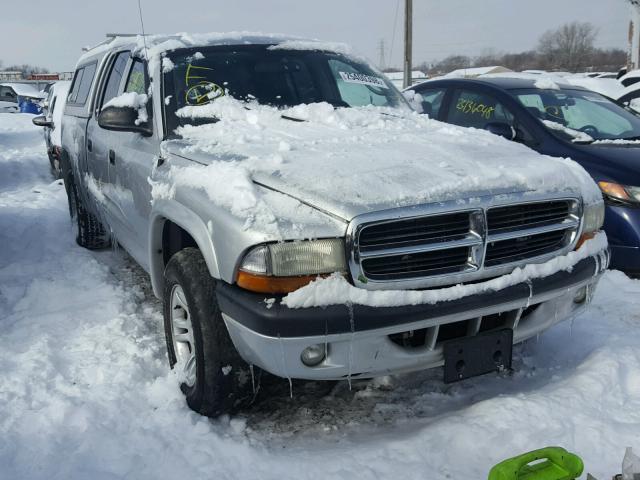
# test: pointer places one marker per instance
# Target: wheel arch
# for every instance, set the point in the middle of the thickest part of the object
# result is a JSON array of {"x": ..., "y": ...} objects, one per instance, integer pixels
[{"x": 172, "y": 228}]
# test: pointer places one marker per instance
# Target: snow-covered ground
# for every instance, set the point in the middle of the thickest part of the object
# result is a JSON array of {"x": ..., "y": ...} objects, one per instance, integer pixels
[{"x": 85, "y": 391}]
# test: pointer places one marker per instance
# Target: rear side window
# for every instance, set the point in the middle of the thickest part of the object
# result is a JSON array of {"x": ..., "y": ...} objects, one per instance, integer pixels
[
  {"x": 77, "y": 78},
  {"x": 82, "y": 84},
  {"x": 115, "y": 77},
  {"x": 476, "y": 109}
]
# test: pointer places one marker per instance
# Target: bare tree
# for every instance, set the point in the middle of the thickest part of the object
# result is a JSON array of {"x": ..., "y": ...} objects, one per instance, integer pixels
[
  {"x": 570, "y": 46},
  {"x": 27, "y": 69},
  {"x": 452, "y": 62},
  {"x": 487, "y": 58}
]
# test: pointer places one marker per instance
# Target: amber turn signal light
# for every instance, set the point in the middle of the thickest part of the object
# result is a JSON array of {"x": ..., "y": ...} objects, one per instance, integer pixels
[
  {"x": 584, "y": 238},
  {"x": 270, "y": 284}
]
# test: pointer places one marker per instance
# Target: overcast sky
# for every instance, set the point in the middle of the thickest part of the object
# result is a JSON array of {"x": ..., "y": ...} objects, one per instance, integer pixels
[{"x": 441, "y": 27}]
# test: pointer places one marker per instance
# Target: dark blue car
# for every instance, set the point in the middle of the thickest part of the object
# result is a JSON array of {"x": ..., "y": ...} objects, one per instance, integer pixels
[{"x": 562, "y": 121}]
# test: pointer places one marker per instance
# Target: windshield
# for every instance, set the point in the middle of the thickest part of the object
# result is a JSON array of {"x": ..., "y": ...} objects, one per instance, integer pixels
[
  {"x": 272, "y": 76},
  {"x": 569, "y": 113}
]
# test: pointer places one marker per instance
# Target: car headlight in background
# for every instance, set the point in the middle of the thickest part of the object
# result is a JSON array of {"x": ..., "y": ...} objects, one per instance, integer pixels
[
  {"x": 285, "y": 267},
  {"x": 593, "y": 221},
  {"x": 620, "y": 193}
]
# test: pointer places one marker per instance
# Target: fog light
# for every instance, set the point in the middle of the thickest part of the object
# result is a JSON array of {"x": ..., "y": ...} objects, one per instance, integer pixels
[
  {"x": 581, "y": 295},
  {"x": 313, "y": 355}
]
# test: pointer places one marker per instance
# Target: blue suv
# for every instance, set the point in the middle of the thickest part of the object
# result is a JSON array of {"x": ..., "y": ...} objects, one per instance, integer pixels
[{"x": 562, "y": 121}]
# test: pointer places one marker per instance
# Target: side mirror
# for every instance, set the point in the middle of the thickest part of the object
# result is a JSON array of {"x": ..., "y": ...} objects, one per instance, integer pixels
[
  {"x": 503, "y": 129},
  {"x": 41, "y": 121},
  {"x": 123, "y": 119}
]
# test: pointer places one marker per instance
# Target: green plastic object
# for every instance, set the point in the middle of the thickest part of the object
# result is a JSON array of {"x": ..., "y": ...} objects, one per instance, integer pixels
[{"x": 551, "y": 463}]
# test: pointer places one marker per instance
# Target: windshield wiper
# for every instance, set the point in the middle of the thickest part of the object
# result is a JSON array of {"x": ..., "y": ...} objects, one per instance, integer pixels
[{"x": 293, "y": 119}]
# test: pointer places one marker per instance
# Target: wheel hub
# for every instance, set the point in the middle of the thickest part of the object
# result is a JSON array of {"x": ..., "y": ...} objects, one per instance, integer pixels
[{"x": 182, "y": 335}]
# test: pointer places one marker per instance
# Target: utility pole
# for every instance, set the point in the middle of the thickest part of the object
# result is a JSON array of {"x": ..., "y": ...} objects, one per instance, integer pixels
[{"x": 408, "y": 42}]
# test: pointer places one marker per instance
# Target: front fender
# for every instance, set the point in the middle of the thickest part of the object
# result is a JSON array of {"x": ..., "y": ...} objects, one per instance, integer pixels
[{"x": 167, "y": 209}]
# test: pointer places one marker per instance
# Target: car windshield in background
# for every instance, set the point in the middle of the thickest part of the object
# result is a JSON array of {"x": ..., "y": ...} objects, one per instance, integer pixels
[
  {"x": 580, "y": 111},
  {"x": 276, "y": 77}
]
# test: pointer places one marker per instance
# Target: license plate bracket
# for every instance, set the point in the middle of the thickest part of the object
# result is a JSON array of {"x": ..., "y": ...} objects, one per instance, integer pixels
[{"x": 472, "y": 356}]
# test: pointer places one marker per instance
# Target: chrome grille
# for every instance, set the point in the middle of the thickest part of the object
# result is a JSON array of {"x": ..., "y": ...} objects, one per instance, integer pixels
[
  {"x": 522, "y": 248},
  {"x": 459, "y": 245},
  {"x": 528, "y": 215},
  {"x": 415, "y": 231},
  {"x": 436, "y": 262}
]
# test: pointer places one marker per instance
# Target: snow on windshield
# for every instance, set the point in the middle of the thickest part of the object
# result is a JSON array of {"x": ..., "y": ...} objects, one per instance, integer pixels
[{"x": 577, "y": 136}]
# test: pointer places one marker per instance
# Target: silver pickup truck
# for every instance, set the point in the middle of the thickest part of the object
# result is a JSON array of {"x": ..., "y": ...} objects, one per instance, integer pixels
[{"x": 297, "y": 218}]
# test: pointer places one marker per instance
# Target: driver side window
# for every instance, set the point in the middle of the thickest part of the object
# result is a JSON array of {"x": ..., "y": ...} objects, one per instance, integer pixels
[
  {"x": 136, "y": 80},
  {"x": 112, "y": 87}
]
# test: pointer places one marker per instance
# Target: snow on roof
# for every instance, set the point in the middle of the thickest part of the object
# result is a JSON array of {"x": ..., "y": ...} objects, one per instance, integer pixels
[
  {"x": 157, "y": 44},
  {"x": 24, "y": 89},
  {"x": 631, "y": 74},
  {"x": 153, "y": 47},
  {"x": 476, "y": 71},
  {"x": 630, "y": 89},
  {"x": 609, "y": 87},
  {"x": 605, "y": 86}
]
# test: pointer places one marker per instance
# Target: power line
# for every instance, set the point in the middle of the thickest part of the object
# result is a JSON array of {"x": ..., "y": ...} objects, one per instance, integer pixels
[{"x": 395, "y": 24}]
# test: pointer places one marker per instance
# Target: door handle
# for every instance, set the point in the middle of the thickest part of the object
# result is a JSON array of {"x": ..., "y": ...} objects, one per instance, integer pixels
[
  {"x": 90, "y": 145},
  {"x": 112, "y": 157}
]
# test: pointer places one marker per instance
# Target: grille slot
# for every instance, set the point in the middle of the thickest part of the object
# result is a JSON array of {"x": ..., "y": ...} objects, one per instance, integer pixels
[
  {"x": 436, "y": 262},
  {"x": 415, "y": 231},
  {"x": 522, "y": 248},
  {"x": 530, "y": 215}
]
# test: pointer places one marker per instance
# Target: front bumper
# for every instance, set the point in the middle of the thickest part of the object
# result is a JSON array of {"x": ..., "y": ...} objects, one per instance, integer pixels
[
  {"x": 622, "y": 224},
  {"x": 364, "y": 342}
]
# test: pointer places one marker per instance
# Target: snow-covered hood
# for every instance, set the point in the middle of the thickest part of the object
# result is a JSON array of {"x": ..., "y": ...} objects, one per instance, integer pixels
[{"x": 352, "y": 161}]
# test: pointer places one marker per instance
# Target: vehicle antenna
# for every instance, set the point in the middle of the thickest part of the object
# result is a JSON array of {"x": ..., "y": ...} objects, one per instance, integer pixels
[{"x": 144, "y": 36}]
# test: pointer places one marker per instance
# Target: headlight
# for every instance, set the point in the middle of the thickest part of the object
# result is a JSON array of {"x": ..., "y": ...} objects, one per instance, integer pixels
[
  {"x": 593, "y": 220},
  {"x": 285, "y": 267},
  {"x": 620, "y": 193},
  {"x": 593, "y": 217}
]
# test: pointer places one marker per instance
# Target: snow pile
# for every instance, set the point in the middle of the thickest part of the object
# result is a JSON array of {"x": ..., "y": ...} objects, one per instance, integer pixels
[
  {"x": 545, "y": 83},
  {"x": 137, "y": 101},
  {"x": 576, "y": 135},
  {"x": 352, "y": 160},
  {"x": 336, "y": 290},
  {"x": 414, "y": 99},
  {"x": 85, "y": 390},
  {"x": 167, "y": 65}
]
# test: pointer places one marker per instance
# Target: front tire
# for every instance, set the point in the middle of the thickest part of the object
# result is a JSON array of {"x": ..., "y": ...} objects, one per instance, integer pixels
[{"x": 214, "y": 378}]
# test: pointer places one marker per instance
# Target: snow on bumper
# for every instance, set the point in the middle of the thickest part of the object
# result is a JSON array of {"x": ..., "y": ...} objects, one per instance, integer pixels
[{"x": 362, "y": 341}]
